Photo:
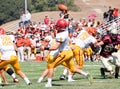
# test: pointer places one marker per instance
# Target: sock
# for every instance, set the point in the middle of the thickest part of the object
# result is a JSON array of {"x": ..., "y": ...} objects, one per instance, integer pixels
[
  {"x": 65, "y": 72},
  {"x": 84, "y": 73},
  {"x": 27, "y": 80},
  {"x": 69, "y": 77},
  {"x": 13, "y": 75},
  {"x": 49, "y": 80}
]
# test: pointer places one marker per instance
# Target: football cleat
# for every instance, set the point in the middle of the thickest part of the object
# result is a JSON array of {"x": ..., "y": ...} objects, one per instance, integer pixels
[
  {"x": 39, "y": 81},
  {"x": 90, "y": 78},
  {"x": 102, "y": 71},
  {"x": 116, "y": 75},
  {"x": 71, "y": 80},
  {"x": 48, "y": 85},
  {"x": 29, "y": 83},
  {"x": 62, "y": 77},
  {"x": 15, "y": 80}
]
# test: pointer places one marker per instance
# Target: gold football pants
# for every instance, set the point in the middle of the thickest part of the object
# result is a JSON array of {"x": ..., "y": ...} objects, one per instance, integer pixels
[
  {"x": 64, "y": 58},
  {"x": 13, "y": 62},
  {"x": 79, "y": 57}
]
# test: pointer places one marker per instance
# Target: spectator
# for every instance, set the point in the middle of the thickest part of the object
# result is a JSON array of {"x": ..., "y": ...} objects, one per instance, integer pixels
[
  {"x": 33, "y": 46},
  {"x": 27, "y": 18},
  {"x": 46, "y": 20},
  {"x": 42, "y": 28},
  {"x": 105, "y": 16},
  {"x": 22, "y": 19},
  {"x": 2, "y": 31},
  {"x": 115, "y": 13},
  {"x": 110, "y": 13},
  {"x": 27, "y": 47},
  {"x": 20, "y": 46}
]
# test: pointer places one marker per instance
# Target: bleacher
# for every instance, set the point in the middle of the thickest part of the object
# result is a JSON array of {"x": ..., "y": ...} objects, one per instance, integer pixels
[{"x": 110, "y": 25}]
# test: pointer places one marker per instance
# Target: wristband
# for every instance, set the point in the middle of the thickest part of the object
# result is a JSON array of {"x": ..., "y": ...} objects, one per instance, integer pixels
[{"x": 46, "y": 48}]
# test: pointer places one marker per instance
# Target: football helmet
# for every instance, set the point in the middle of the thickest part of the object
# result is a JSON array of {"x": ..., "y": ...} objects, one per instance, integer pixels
[{"x": 61, "y": 24}]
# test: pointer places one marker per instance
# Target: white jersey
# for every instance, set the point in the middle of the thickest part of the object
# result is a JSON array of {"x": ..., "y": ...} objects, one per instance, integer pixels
[
  {"x": 86, "y": 38},
  {"x": 64, "y": 39},
  {"x": 6, "y": 46},
  {"x": 78, "y": 42}
]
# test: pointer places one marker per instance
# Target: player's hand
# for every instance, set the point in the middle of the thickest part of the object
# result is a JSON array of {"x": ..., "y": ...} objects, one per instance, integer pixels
[{"x": 72, "y": 47}]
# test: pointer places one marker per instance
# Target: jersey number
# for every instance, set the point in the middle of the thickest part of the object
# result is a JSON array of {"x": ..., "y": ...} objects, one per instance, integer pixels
[{"x": 6, "y": 40}]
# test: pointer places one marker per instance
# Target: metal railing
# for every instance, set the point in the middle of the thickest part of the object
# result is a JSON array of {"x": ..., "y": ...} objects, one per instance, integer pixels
[{"x": 110, "y": 25}]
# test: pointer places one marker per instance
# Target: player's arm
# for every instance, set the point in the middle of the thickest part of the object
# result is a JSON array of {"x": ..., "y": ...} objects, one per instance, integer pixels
[
  {"x": 54, "y": 47},
  {"x": 15, "y": 46},
  {"x": 99, "y": 43}
]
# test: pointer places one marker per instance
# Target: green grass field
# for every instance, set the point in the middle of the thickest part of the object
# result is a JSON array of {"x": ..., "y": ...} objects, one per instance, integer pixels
[{"x": 34, "y": 69}]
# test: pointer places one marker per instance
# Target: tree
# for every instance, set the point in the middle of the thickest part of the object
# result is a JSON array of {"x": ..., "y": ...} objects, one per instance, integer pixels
[{"x": 10, "y": 9}]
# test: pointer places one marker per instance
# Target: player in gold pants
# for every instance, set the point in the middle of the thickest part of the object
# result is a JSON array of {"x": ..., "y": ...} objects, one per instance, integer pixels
[
  {"x": 79, "y": 57},
  {"x": 88, "y": 53}
]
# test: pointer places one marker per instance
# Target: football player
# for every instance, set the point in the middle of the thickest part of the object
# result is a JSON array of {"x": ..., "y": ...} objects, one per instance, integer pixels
[
  {"x": 8, "y": 50},
  {"x": 65, "y": 57}
]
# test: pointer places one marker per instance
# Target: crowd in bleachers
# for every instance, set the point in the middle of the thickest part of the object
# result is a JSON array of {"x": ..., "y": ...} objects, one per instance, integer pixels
[{"x": 30, "y": 34}]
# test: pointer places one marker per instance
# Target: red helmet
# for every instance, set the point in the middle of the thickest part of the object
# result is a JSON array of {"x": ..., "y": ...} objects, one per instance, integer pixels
[{"x": 61, "y": 24}]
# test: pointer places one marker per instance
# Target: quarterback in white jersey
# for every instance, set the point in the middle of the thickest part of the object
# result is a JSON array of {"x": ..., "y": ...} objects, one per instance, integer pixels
[
  {"x": 65, "y": 57},
  {"x": 8, "y": 50}
]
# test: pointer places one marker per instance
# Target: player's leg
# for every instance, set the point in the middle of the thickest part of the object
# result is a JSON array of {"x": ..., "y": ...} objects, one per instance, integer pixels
[
  {"x": 116, "y": 62},
  {"x": 107, "y": 66},
  {"x": 63, "y": 76},
  {"x": 70, "y": 74},
  {"x": 117, "y": 72},
  {"x": 63, "y": 56},
  {"x": 44, "y": 74},
  {"x": 15, "y": 64},
  {"x": 79, "y": 57},
  {"x": 49, "y": 60},
  {"x": 74, "y": 69},
  {"x": 3, "y": 77},
  {"x": 11, "y": 73}
]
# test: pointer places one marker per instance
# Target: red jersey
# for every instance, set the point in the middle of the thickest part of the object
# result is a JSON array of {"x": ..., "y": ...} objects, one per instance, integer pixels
[{"x": 20, "y": 42}]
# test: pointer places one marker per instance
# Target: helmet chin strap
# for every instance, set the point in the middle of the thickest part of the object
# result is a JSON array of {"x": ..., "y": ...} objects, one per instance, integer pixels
[{"x": 61, "y": 30}]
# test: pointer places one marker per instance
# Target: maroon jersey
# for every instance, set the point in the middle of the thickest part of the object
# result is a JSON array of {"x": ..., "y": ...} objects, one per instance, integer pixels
[
  {"x": 118, "y": 38},
  {"x": 108, "y": 46}
]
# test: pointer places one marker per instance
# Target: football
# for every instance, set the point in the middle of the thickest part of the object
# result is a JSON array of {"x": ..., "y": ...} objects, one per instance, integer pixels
[{"x": 62, "y": 7}]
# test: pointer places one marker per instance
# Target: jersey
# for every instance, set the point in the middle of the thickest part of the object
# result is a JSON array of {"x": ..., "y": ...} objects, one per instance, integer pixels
[
  {"x": 86, "y": 38},
  {"x": 6, "y": 46},
  {"x": 78, "y": 42},
  {"x": 108, "y": 46},
  {"x": 62, "y": 37}
]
